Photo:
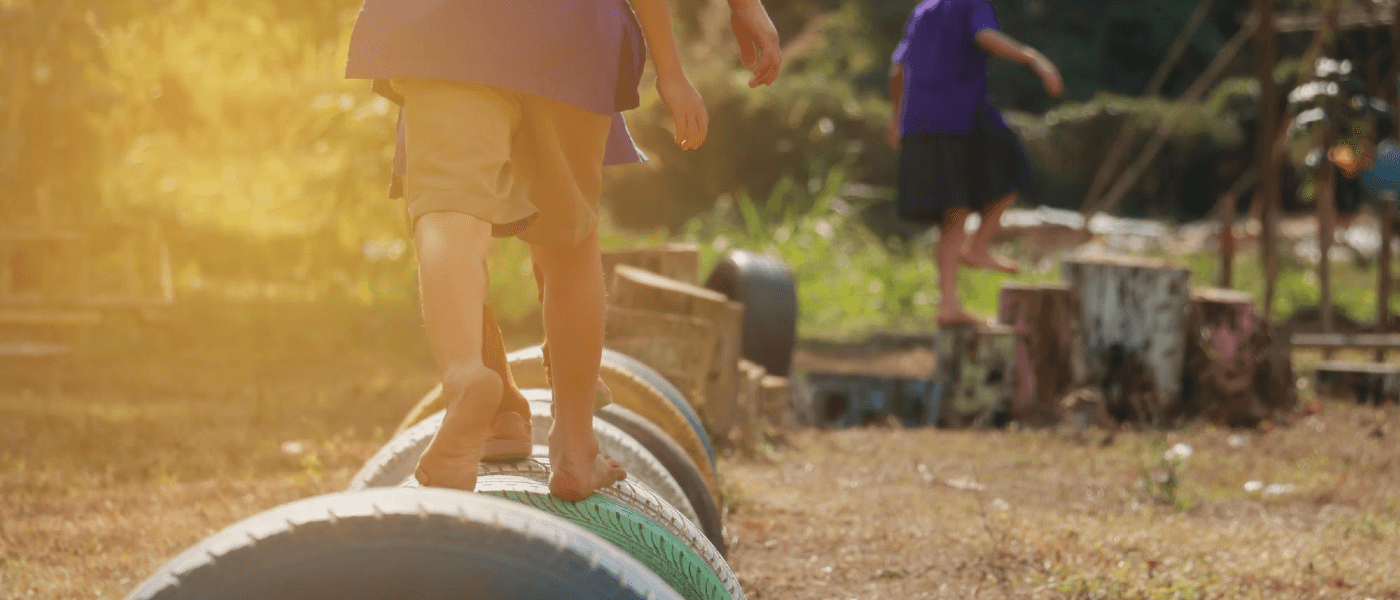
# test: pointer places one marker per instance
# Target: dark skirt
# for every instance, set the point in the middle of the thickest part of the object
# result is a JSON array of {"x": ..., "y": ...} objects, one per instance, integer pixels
[{"x": 938, "y": 171}]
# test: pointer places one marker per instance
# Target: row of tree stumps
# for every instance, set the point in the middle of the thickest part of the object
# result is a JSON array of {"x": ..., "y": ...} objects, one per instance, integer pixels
[{"x": 1120, "y": 340}]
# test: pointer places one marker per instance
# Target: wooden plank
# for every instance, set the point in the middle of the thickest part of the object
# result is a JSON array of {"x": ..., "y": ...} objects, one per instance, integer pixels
[
  {"x": 677, "y": 346},
  {"x": 1352, "y": 17},
  {"x": 1358, "y": 381},
  {"x": 33, "y": 350},
  {"x": 676, "y": 261},
  {"x": 1389, "y": 341},
  {"x": 50, "y": 317},
  {"x": 1388, "y": 202}
]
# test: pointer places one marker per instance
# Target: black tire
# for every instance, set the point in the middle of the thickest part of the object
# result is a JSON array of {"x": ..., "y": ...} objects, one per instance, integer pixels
[
  {"x": 403, "y": 543},
  {"x": 766, "y": 287},
  {"x": 686, "y": 473},
  {"x": 631, "y": 516},
  {"x": 641, "y": 465}
]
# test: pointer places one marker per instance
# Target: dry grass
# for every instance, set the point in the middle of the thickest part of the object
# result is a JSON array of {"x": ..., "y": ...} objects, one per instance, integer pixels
[{"x": 155, "y": 443}]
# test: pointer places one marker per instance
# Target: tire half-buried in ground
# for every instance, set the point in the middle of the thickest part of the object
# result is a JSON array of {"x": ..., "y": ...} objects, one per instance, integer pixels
[
  {"x": 678, "y": 463},
  {"x": 631, "y": 516},
  {"x": 767, "y": 289},
  {"x": 403, "y": 543}
]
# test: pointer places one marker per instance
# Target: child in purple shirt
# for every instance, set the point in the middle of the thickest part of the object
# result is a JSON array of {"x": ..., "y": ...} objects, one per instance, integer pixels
[{"x": 956, "y": 154}]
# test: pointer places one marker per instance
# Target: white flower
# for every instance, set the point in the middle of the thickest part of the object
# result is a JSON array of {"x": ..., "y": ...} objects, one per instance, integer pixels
[
  {"x": 1253, "y": 486},
  {"x": 1179, "y": 451}
]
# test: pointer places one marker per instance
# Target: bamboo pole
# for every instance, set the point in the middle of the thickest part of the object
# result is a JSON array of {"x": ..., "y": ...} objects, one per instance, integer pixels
[
  {"x": 1164, "y": 130},
  {"x": 1227, "y": 239},
  {"x": 1326, "y": 215},
  {"x": 1119, "y": 149}
]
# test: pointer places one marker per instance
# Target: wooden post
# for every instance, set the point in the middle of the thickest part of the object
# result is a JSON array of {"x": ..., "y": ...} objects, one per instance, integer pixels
[
  {"x": 775, "y": 401},
  {"x": 1227, "y": 239},
  {"x": 1045, "y": 319},
  {"x": 976, "y": 375},
  {"x": 1266, "y": 193},
  {"x": 639, "y": 289},
  {"x": 1326, "y": 221},
  {"x": 680, "y": 347},
  {"x": 1383, "y": 293},
  {"x": 1133, "y": 316}
]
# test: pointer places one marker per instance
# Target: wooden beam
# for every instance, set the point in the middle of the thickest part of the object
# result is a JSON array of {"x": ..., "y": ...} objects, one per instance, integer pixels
[
  {"x": 1390, "y": 341},
  {"x": 1383, "y": 293},
  {"x": 49, "y": 317},
  {"x": 1266, "y": 193},
  {"x": 1352, "y": 17}
]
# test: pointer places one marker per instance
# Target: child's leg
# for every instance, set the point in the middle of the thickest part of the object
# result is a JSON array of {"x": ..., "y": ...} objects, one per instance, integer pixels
[
  {"x": 452, "y": 276},
  {"x": 574, "y": 313},
  {"x": 948, "y": 255},
  {"x": 979, "y": 250}
]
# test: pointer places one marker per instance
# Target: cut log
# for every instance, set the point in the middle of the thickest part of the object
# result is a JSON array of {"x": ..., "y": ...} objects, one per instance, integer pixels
[
  {"x": 1132, "y": 335},
  {"x": 676, "y": 261},
  {"x": 634, "y": 288},
  {"x": 1358, "y": 382},
  {"x": 775, "y": 401},
  {"x": 975, "y": 380},
  {"x": 1045, "y": 319},
  {"x": 677, "y": 346},
  {"x": 1220, "y": 366}
]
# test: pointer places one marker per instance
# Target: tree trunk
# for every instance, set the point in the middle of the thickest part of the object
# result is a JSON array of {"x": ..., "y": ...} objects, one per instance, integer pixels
[
  {"x": 1133, "y": 317},
  {"x": 976, "y": 375},
  {"x": 1220, "y": 366},
  {"x": 638, "y": 289},
  {"x": 1045, "y": 319}
]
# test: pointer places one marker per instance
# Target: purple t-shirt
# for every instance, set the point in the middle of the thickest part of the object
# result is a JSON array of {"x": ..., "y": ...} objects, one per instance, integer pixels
[
  {"x": 588, "y": 53},
  {"x": 945, "y": 73}
]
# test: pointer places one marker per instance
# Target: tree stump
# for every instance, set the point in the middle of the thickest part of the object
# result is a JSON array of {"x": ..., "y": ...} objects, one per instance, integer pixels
[
  {"x": 1045, "y": 319},
  {"x": 633, "y": 288},
  {"x": 1133, "y": 315},
  {"x": 679, "y": 347},
  {"x": 775, "y": 401},
  {"x": 975, "y": 380},
  {"x": 680, "y": 262},
  {"x": 1220, "y": 366}
]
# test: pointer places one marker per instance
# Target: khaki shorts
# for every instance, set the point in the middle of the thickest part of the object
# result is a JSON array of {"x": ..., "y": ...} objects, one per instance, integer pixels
[{"x": 529, "y": 165}]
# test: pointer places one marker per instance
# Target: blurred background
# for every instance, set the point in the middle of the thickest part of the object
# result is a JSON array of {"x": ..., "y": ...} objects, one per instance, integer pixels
[{"x": 230, "y": 129}]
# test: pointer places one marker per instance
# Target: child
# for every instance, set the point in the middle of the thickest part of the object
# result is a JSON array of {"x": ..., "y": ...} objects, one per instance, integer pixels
[
  {"x": 507, "y": 111},
  {"x": 955, "y": 152}
]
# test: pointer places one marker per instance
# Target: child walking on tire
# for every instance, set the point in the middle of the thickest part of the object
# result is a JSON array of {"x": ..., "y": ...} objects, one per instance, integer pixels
[
  {"x": 956, "y": 154},
  {"x": 509, "y": 111}
]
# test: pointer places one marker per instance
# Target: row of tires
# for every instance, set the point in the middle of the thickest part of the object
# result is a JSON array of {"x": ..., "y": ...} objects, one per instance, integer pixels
[{"x": 659, "y": 534}]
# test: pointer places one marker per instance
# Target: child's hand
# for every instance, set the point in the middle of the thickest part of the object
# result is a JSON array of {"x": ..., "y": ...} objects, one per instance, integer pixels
[
  {"x": 687, "y": 109},
  {"x": 1049, "y": 77}
]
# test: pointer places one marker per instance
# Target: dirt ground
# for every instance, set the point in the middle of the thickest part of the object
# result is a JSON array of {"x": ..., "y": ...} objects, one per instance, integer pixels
[{"x": 152, "y": 443}]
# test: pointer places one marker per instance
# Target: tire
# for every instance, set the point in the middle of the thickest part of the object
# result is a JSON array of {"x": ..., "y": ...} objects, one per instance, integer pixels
[
  {"x": 634, "y": 518},
  {"x": 398, "y": 458},
  {"x": 640, "y": 464},
  {"x": 396, "y": 461},
  {"x": 678, "y": 463},
  {"x": 630, "y": 391},
  {"x": 768, "y": 291},
  {"x": 644, "y": 372},
  {"x": 403, "y": 543}
]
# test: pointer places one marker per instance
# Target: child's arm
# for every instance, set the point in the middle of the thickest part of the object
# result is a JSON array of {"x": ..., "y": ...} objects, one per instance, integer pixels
[
  {"x": 897, "y": 101},
  {"x": 997, "y": 44},
  {"x": 679, "y": 94}
]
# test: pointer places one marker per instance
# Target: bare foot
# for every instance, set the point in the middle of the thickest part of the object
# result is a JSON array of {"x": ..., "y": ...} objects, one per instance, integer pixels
[
  {"x": 577, "y": 467},
  {"x": 452, "y": 457},
  {"x": 955, "y": 315},
  {"x": 984, "y": 259}
]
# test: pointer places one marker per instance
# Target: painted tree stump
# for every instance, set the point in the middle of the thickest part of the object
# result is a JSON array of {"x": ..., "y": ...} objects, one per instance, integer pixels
[
  {"x": 676, "y": 261},
  {"x": 1045, "y": 319},
  {"x": 1133, "y": 315},
  {"x": 975, "y": 380},
  {"x": 1358, "y": 382},
  {"x": 634, "y": 288}
]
